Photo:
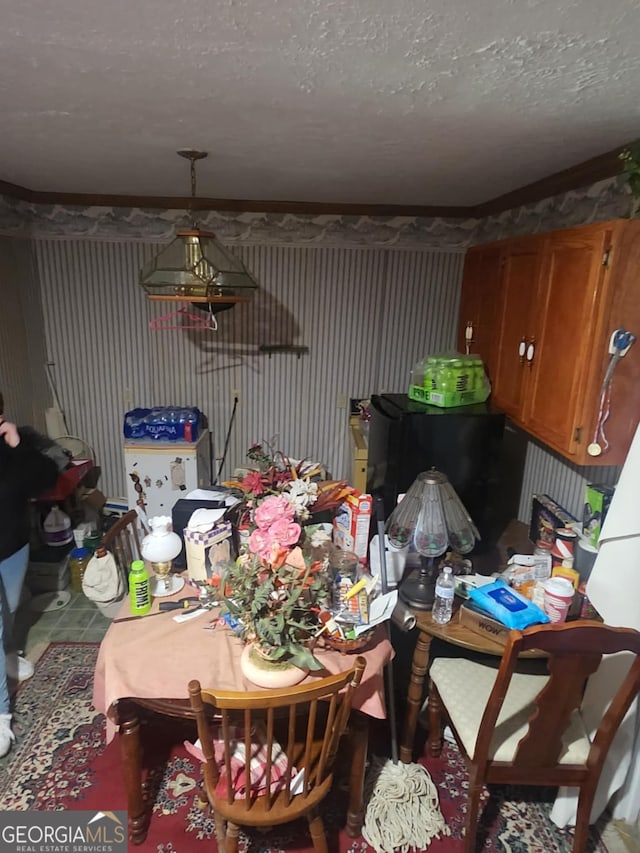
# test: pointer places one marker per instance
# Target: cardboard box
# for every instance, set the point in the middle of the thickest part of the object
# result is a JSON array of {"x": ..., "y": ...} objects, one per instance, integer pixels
[
  {"x": 94, "y": 499},
  {"x": 546, "y": 517},
  {"x": 351, "y": 524},
  {"x": 481, "y": 623},
  {"x": 597, "y": 499}
]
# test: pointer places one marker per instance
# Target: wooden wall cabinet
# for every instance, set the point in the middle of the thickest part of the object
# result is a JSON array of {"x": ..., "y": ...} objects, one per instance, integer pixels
[
  {"x": 560, "y": 296},
  {"x": 479, "y": 303}
]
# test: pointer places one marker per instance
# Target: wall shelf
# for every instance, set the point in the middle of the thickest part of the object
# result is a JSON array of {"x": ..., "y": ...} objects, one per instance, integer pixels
[{"x": 291, "y": 349}]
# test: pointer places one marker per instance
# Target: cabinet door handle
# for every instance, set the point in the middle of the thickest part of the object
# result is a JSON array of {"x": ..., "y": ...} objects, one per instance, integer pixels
[
  {"x": 468, "y": 336},
  {"x": 531, "y": 351},
  {"x": 522, "y": 348}
]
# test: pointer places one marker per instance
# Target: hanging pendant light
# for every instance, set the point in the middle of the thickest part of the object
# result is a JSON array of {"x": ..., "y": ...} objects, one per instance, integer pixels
[{"x": 195, "y": 267}]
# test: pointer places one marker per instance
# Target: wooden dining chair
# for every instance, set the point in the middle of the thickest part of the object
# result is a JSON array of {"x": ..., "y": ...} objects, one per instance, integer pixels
[
  {"x": 523, "y": 729},
  {"x": 293, "y": 736},
  {"x": 123, "y": 540}
]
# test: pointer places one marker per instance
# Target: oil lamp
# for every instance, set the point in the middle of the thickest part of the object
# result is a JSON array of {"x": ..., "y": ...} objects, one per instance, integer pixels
[{"x": 160, "y": 548}]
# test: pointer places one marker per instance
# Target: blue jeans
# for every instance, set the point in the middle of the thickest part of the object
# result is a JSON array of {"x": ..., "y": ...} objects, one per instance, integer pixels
[{"x": 12, "y": 572}]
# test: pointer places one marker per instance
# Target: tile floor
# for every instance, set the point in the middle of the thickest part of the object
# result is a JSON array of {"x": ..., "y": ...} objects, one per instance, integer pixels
[{"x": 78, "y": 620}]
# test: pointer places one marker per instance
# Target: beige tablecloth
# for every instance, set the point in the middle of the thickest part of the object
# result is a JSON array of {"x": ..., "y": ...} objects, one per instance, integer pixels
[{"x": 155, "y": 658}]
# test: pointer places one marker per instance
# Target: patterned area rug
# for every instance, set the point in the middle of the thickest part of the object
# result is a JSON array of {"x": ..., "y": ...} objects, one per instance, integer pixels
[{"x": 60, "y": 761}]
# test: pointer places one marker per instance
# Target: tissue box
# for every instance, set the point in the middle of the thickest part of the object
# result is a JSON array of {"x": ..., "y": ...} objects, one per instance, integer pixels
[
  {"x": 181, "y": 512},
  {"x": 351, "y": 524},
  {"x": 206, "y": 550},
  {"x": 597, "y": 499}
]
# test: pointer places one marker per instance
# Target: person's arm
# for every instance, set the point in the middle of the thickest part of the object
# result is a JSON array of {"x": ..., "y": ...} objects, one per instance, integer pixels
[{"x": 31, "y": 470}]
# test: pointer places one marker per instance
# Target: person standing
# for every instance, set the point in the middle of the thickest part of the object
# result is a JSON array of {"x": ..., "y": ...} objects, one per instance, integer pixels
[{"x": 25, "y": 472}]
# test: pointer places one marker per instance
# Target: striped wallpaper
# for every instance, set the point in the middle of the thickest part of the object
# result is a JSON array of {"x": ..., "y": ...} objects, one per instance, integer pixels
[{"x": 366, "y": 315}]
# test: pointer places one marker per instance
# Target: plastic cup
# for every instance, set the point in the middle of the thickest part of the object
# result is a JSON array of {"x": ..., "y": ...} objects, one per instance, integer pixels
[{"x": 558, "y": 595}]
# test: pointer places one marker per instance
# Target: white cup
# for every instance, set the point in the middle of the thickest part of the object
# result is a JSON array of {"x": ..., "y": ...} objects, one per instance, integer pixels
[{"x": 558, "y": 594}]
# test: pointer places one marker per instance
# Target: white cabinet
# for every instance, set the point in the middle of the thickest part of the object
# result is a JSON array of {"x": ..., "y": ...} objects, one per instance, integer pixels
[{"x": 160, "y": 473}]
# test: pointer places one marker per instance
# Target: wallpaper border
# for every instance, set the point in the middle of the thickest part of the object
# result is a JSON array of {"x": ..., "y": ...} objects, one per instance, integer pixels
[{"x": 608, "y": 199}]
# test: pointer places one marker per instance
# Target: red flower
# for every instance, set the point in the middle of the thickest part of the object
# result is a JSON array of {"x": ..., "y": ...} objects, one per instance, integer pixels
[{"x": 253, "y": 483}]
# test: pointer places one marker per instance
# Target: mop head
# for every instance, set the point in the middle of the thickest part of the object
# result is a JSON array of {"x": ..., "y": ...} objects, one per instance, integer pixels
[{"x": 403, "y": 813}]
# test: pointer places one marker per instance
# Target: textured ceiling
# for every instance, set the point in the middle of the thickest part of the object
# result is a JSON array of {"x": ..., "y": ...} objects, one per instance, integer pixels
[{"x": 409, "y": 102}]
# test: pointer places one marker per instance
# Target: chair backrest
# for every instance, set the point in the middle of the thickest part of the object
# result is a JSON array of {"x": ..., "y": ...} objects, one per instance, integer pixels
[
  {"x": 575, "y": 651},
  {"x": 123, "y": 540},
  {"x": 305, "y": 721}
]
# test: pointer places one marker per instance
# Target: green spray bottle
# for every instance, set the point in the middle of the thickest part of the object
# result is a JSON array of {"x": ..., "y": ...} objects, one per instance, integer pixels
[{"x": 139, "y": 588}]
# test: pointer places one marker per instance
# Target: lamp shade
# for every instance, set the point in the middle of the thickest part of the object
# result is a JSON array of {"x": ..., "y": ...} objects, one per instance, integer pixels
[
  {"x": 196, "y": 267},
  {"x": 161, "y": 545},
  {"x": 432, "y": 517}
]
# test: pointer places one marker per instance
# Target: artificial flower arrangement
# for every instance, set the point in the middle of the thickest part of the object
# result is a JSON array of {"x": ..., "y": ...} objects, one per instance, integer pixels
[
  {"x": 275, "y": 474},
  {"x": 278, "y": 584}
]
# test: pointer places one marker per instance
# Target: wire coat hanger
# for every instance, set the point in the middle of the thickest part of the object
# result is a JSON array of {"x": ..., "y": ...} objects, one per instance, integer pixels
[{"x": 193, "y": 321}]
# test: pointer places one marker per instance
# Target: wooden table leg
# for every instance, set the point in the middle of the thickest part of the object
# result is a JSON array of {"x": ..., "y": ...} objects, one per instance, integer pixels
[
  {"x": 419, "y": 666},
  {"x": 359, "y": 727},
  {"x": 131, "y": 756}
]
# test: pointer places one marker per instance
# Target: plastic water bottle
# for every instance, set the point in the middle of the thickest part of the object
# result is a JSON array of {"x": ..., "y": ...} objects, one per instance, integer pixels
[
  {"x": 139, "y": 588},
  {"x": 443, "y": 602}
]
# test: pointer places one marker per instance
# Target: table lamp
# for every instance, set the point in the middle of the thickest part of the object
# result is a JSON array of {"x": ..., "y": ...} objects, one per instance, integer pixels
[
  {"x": 160, "y": 548},
  {"x": 432, "y": 518}
]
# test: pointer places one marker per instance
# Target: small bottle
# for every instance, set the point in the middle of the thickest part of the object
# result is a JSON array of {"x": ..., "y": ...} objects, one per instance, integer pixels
[
  {"x": 329, "y": 624},
  {"x": 543, "y": 562},
  {"x": 78, "y": 560},
  {"x": 443, "y": 602},
  {"x": 139, "y": 588}
]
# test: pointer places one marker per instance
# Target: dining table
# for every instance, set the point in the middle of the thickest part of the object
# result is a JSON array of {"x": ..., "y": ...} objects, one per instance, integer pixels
[{"x": 145, "y": 664}]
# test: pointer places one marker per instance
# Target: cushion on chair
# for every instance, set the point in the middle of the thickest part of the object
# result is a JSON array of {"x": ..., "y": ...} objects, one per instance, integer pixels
[
  {"x": 258, "y": 761},
  {"x": 464, "y": 687}
]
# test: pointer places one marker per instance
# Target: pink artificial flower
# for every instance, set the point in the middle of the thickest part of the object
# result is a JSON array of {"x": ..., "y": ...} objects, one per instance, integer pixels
[
  {"x": 260, "y": 543},
  {"x": 285, "y": 532},
  {"x": 273, "y": 509}
]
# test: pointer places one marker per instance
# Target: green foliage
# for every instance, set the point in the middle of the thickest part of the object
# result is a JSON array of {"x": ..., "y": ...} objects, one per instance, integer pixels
[
  {"x": 630, "y": 158},
  {"x": 275, "y": 607}
]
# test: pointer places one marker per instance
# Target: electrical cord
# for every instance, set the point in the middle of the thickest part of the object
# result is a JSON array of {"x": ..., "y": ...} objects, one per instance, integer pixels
[{"x": 227, "y": 438}]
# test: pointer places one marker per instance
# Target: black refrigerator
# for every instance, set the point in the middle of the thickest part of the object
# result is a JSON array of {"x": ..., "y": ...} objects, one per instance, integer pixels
[{"x": 481, "y": 453}]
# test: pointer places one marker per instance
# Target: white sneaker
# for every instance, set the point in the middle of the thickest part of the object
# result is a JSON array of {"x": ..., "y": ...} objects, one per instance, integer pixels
[
  {"x": 6, "y": 735},
  {"x": 18, "y": 668}
]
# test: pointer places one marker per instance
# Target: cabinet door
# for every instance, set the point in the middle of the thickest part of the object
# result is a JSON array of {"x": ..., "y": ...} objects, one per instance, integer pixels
[
  {"x": 521, "y": 267},
  {"x": 566, "y": 309},
  {"x": 479, "y": 304}
]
